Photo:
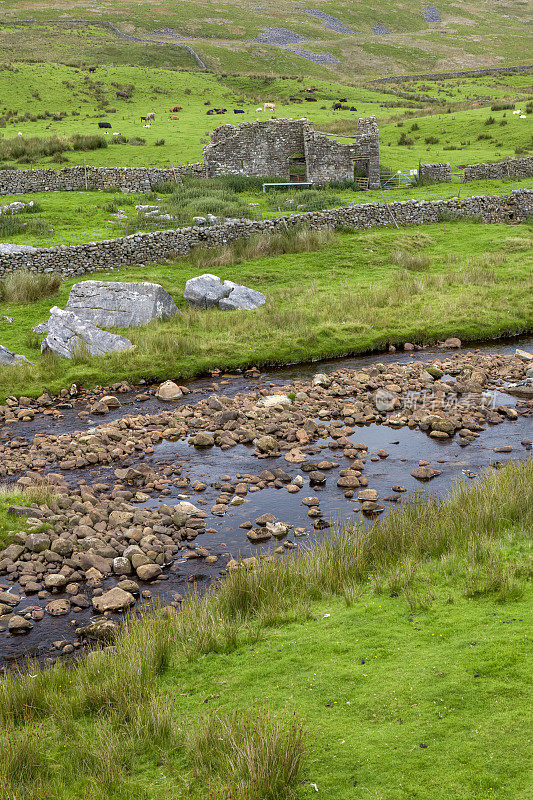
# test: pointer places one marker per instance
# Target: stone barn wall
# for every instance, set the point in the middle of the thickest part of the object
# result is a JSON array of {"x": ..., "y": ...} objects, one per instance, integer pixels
[
  {"x": 266, "y": 148},
  {"x": 254, "y": 148},
  {"x": 435, "y": 172}
]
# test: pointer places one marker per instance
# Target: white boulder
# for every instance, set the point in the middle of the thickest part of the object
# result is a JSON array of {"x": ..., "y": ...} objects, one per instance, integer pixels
[{"x": 68, "y": 334}]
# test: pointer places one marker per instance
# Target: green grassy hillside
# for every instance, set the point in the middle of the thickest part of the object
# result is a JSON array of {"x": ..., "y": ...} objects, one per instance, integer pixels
[
  {"x": 44, "y": 100},
  {"x": 467, "y": 35}
]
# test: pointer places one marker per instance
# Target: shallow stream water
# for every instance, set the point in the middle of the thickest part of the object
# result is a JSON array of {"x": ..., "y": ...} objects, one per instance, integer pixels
[{"x": 404, "y": 446}]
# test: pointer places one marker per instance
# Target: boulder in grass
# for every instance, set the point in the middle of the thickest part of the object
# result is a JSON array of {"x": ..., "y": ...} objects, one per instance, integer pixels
[
  {"x": 206, "y": 290},
  {"x": 68, "y": 334},
  {"x": 120, "y": 305},
  {"x": 242, "y": 298},
  {"x": 7, "y": 358}
]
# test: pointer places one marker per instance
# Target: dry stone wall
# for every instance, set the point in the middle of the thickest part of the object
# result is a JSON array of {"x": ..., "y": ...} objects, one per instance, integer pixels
[
  {"x": 435, "y": 172},
  {"x": 510, "y": 168},
  {"x": 75, "y": 179},
  {"x": 157, "y": 246}
]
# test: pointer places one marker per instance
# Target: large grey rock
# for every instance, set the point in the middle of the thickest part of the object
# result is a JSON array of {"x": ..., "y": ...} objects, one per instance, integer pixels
[
  {"x": 68, "y": 334},
  {"x": 120, "y": 305},
  {"x": 241, "y": 297},
  {"x": 16, "y": 248},
  {"x": 206, "y": 290},
  {"x": 7, "y": 358}
]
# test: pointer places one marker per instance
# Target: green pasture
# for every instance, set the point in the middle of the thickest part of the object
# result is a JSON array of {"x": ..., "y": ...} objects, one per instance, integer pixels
[{"x": 45, "y": 100}]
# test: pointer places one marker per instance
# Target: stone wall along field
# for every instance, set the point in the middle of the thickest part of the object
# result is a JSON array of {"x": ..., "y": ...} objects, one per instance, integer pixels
[
  {"x": 76, "y": 179},
  {"x": 435, "y": 172},
  {"x": 141, "y": 248},
  {"x": 510, "y": 168}
]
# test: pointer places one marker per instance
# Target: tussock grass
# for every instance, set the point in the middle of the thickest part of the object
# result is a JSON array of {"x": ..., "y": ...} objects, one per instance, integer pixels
[
  {"x": 29, "y": 149},
  {"x": 24, "y": 286},
  {"x": 262, "y": 755},
  {"x": 296, "y": 239}
]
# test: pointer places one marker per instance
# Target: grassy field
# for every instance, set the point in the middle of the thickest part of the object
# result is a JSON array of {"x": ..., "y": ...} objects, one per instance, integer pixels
[
  {"x": 385, "y": 663},
  {"x": 75, "y": 217},
  {"x": 47, "y": 100},
  {"x": 349, "y": 293},
  {"x": 468, "y": 36}
]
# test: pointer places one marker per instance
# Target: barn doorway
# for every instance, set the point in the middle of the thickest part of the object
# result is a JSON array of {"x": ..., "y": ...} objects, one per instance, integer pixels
[
  {"x": 360, "y": 173},
  {"x": 297, "y": 168}
]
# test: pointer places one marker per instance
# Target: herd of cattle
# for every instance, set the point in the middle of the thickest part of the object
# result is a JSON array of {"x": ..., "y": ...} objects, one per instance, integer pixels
[{"x": 150, "y": 117}]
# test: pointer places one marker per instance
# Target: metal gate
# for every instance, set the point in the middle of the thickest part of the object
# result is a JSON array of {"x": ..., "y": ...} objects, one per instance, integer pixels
[{"x": 395, "y": 180}]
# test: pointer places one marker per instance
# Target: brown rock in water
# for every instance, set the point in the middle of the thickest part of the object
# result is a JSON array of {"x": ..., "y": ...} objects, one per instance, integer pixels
[
  {"x": 18, "y": 624},
  {"x": 452, "y": 343},
  {"x": 425, "y": 473},
  {"x": 203, "y": 439},
  {"x": 257, "y": 535},
  {"x": 368, "y": 494},
  {"x": 148, "y": 572},
  {"x": 58, "y": 607},
  {"x": 114, "y": 600},
  {"x": 169, "y": 391}
]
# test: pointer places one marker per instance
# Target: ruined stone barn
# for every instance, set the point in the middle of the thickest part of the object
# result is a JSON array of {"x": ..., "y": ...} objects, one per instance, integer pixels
[{"x": 293, "y": 151}]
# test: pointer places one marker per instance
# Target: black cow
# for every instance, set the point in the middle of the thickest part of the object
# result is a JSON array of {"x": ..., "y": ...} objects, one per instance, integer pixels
[
  {"x": 337, "y": 106},
  {"x": 125, "y": 95},
  {"x": 238, "y": 111},
  {"x": 353, "y": 108},
  {"x": 211, "y": 111},
  {"x": 311, "y": 99},
  {"x": 343, "y": 99},
  {"x": 92, "y": 69},
  {"x": 207, "y": 103},
  {"x": 104, "y": 124}
]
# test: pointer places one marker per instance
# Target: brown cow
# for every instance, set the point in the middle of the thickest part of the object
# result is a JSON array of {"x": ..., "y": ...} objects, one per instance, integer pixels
[{"x": 173, "y": 117}]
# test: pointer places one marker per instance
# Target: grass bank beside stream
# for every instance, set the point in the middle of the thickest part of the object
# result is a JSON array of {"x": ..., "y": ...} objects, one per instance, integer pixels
[
  {"x": 385, "y": 662},
  {"x": 345, "y": 293}
]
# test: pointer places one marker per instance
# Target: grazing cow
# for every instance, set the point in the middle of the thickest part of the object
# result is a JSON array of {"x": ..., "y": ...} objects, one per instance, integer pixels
[
  {"x": 238, "y": 111},
  {"x": 220, "y": 110},
  {"x": 173, "y": 117},
  {"x": 337, "y": 106},
  {"x": 176, "y": 108},
  {"x": 124, "y": 95},
  {"x": 353, "y": 108},
  {"x": 92, "y": 69},
  {"x": 211, "y": 111},
  {"x": 311, "y": 99},
  {"x": 207, "y": 103},
  {"x": 104, "y": 124},
  {"x": 269, "y": 106},
  {"x": 143, "y": 119},
  {"x": 150, "y": 115},
  {"x": 343, "y": 100}
]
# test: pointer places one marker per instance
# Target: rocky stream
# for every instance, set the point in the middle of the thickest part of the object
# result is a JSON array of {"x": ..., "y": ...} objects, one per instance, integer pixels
[{"x": 160, "y": 490}]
